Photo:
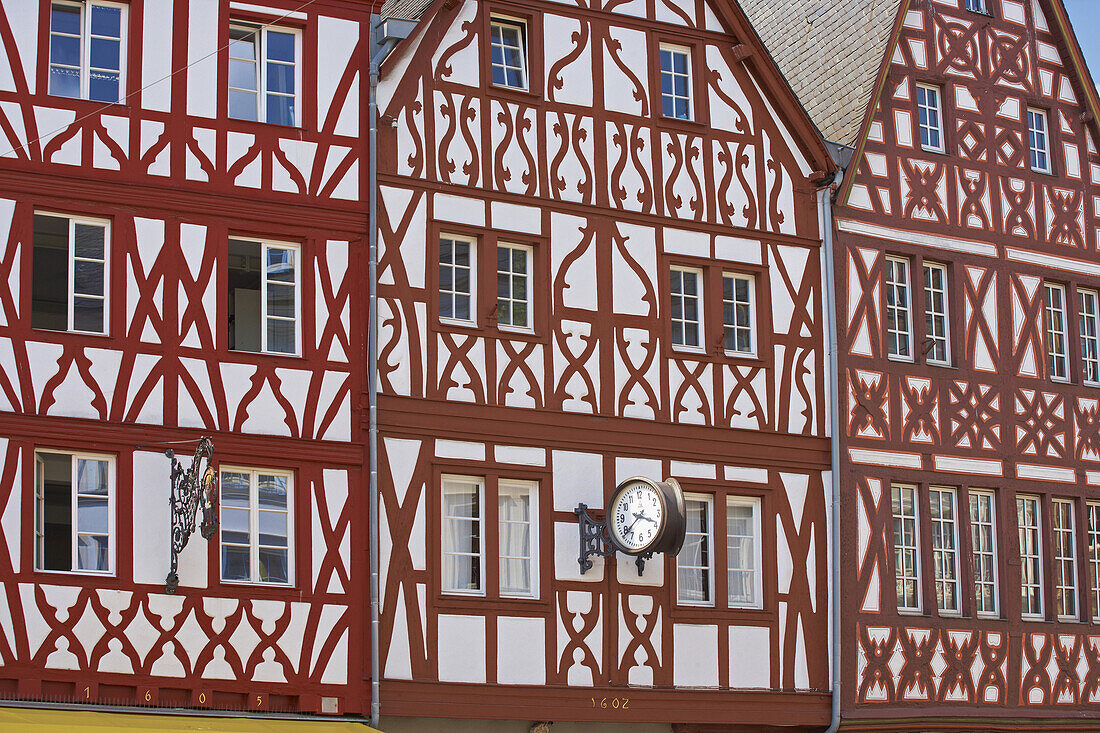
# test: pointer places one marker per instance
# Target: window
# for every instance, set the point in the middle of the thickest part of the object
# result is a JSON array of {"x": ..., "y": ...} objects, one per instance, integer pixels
[
  {"x": 456, "y": 278},
  {"x": 509, "y": 49},
  {"x": 256, "y": 519},
  {"x": 74, "y": 512},
  {"x": 898, "y": 335},
  {"x": 463, "y": 538},
  {"x": 975, "y": 6},
  {"x": 930, "y": 118},
  {"x": 70, "y": 284},
  {"x": 743, "y": 554},
  {"x": 263, "y": 299},
  {"x": 1090, "y": 335},
  {"x": 87, "y": 50},
  {"x": 937, "y": 347},
  {"x": 983, "y": 539},
  {"x": 463, "y": 530},
  {"x": 513, "y": 286},
  {"x": 1038, "y": 140},
  {"x": 1056, "y": 331},
  {"x": 906, "y": 548},
  {"x": 1031, "y": 582},
  {"x": 738, "y": 316},
  {"x": 687, "y": 319},
  {"x": 676, "y": 82},
  {"x": 264, "y": 74},
  {"x": 695, "y": 563},
  {"x": 517, "y": 511},
  {"x": 1094, "y": 559},
  {"x": 1065, "y": 560},
  {"x": 945, "y": 562}
]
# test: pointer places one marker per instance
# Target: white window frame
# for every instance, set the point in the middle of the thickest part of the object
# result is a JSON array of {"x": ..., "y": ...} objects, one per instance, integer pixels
[
  {"x": 1065, "y": 566},
  {"x": 472, "y": 294},
  {"x": 683, "y": 320},
  {"x": 900, "y": 546},
  {"x": 71, "y": 266},
  {"x": 975, "y": 6},
  {"x": 684, "y": 51},
  {"x": 1038, "y": 140},
  {"x": 1088, "y": 313},
  {"x": 708, "y": 502},
  {"x": 937, "y": 316},
  {"x": 757, "y": 551},
  {"x": 254, "y": 526},
  {"x": 265, "y": 246},
  {"x": 479, "y": 483},
  {"x": 528, "y": 278},
  {"x": 86, "y": 47},
  {"x": 929, "y": 108},
  {"x": 40, "y": 516},
  {"x": 899, "y": 290},
  {"x": 532, "y": 489},
  {"x": 977, "y": 527},
  {"x": 1025, "y": 557},
  {"x": 1094, "y": 559},
  {"x": 945, "y": 558},
  {"x": 521, "y": 25},
  {"x": 261, "y": 71},
  {"x": 752, "y": 329},
  {"x": 1056, "y": 357}
]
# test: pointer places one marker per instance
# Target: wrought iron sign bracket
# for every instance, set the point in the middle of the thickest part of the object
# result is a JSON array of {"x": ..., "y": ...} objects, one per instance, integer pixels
[
  {"x": 191, "y": 487},
  {"x": 594, "y": 540}
]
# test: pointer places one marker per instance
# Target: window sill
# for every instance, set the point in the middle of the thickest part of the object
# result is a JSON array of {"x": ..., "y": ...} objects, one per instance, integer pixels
[
  {"x": 106, "y": 107},
  {"x": 910, "y": 612},
  {"x": 692, "y": 125},
  {"x": 279, "y": 354},
  {"x": 525, "y": 96},
  {"x": 516, "y": 331},
  {"x": 261, "y": 125},
  {"x": 689, "y": 350},
  {"x": 1043, "y": 172},
  {"x": 79, "y": 573},
  {"x": 942, "y": 365},
  {"x": 92, "y": 334},
  {"x": 900, "y": 359},
  {"x": 492, "y": 331}
]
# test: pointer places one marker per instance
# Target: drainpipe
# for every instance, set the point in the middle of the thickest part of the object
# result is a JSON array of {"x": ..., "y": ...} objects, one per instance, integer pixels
[
  {"x": 825, "y": 220},
  {"x": 385, "y": 34}
]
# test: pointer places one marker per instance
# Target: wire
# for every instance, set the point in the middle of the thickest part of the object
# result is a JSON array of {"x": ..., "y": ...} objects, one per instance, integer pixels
[{"x": 126, "y": 98}]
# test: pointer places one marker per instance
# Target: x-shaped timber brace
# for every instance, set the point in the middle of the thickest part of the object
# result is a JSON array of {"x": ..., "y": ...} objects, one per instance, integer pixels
[
  {"x": 191, "y": 487},
  {"x": 595, "y": 540}
]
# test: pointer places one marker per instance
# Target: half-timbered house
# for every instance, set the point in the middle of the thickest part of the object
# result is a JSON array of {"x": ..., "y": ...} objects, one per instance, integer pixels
[
  {"x": 599, "y": 258},
  {"x": 181, "y": 236},
  {"x": 967, "y": 227}
]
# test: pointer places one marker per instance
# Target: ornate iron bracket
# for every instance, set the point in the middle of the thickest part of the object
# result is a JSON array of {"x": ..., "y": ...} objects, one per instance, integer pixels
[
  {"x": 596, "y": 541},
  {"x": 198, "y": 484}
]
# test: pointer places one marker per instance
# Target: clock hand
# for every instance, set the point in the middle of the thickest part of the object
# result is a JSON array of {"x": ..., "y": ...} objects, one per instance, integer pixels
[{"x": 642, "y": 515}]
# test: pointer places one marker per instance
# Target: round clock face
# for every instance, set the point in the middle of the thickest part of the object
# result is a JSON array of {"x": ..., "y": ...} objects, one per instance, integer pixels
[{"x": 636, "y": 516}]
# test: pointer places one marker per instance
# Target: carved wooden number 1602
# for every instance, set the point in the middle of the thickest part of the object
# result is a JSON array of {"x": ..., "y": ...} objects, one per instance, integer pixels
[{"x": 618, "y": 703}]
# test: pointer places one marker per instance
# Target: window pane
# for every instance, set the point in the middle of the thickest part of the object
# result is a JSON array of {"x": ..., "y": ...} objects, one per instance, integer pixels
[
  {"x": 105, "y": 53},
  {"x": 280, "y": 264},
  {"x": 64, "y": 82},
  {"x": 106, "y": 21},
  {"x": 235, "y": 563},
  {"x": 242, "y": 74},
  {"x": 280, "y": 46},
  {"x": 235, "y": 526},
  {"x": 88, "y": 315},
  {"x": 273, "y": 529},
  {"x": 272, "y": 492},
  {"x": 91, "y": 477},
  {"x": 273, "y": 565},
  {"x": 280, "y": 300},
  {"x": 65, "y": 50},
  {"x": 103, "y": 87},
  {"x": 242, "y": 105},
  {"x": 280, "y": 78},
  {"x": 234, "y": 489},
  {"x": 88, "y": 277},
  {"x": 65, "y": 19},
  {"x": 280, "y": 336},
  {"x": 91, "y": 514},
  {"x": 280, "y": 110},
  {"x": 92, "y": 553}
]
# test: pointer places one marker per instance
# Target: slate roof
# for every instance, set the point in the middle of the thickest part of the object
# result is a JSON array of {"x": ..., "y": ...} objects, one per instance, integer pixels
[
  {"x": 404, "y": 9},
  {"x": 830, "y": 51}
]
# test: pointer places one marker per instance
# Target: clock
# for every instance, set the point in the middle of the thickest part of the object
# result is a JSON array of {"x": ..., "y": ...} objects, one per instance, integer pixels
[{"x": 645, "y": 517}]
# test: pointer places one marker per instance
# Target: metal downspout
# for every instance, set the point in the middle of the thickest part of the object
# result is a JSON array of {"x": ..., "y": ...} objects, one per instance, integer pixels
[
  {"x": 826, "y": 223},
  {"x": 372, "y": 378}
]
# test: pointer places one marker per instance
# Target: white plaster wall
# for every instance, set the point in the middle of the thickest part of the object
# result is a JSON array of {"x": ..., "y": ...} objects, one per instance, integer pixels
[
  {"x": 461, "y": 648},
  {"x": 152, "y": 522}
]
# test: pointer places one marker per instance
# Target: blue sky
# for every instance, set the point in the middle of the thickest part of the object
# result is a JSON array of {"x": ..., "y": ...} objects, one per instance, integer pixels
[{"x": 1085, "y": 16}]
